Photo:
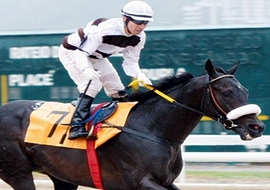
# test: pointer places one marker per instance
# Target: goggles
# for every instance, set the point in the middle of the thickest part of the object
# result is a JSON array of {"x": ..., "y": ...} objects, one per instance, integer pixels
[{"x": 139, "y": 22}]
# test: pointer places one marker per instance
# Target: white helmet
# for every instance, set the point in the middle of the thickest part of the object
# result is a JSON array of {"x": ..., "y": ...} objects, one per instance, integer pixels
[{"x": 138, "y": 10}]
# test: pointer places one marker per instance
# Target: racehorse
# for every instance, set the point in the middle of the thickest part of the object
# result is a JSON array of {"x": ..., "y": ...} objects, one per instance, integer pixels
[{"x": 149, "y": 158}]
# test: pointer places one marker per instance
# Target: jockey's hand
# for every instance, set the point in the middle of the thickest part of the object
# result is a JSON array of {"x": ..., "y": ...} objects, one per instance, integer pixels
[
  {"x": 91, "y": 74},
  {"x": 143, "y": 79}
]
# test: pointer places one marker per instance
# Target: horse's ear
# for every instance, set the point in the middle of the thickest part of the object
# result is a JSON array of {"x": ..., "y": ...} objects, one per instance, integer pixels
[
  {"x": 210, "y": 69},
  {"x": 233, "y": 69}
]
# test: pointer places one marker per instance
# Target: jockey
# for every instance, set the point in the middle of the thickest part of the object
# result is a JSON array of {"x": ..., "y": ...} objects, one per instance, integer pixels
[{"x": 84, "y": 54}]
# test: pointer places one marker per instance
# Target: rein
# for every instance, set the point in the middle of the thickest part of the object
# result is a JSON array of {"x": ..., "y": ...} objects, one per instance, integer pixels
[
  {"x": 228, "y": 124},
  {"x": 142, "y": 135}
]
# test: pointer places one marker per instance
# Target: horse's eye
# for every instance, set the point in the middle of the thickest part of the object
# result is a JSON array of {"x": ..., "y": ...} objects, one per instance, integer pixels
[{"x": 226, "y": 94}]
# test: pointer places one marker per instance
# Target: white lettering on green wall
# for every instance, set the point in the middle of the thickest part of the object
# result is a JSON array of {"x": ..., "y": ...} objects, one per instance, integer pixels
[
  {"x": 39, "y": 79},
  {"x": 33, "y": 52},
  {"x": 159, "y": 73}
]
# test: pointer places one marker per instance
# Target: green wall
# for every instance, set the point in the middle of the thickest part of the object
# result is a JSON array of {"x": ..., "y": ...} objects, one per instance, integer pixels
[{"x": 30, "y": 68}]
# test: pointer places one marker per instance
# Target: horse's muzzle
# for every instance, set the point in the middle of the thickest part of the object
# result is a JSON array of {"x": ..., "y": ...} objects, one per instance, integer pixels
[
  {"x": 250, "y": 132},
  {"x": 256, "y": 130},
  {"x": 248, "y": 126}
]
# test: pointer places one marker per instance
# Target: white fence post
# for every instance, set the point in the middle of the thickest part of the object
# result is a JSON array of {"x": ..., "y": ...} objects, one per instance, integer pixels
[{"x": 182, "y": 177}]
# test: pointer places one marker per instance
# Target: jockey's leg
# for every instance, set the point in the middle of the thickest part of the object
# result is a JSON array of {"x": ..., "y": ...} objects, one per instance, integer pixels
[{"x": 77, "y": 129}]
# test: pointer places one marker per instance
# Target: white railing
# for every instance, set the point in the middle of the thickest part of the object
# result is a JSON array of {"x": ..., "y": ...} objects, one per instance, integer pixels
[{"x": 260, "y": 144}]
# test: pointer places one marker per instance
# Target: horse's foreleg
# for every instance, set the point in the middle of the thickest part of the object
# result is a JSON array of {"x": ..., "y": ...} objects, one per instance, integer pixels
[
  {"x": 15, "y": 169},
  {"x": 21, "y": 181},
  {"x": 148, "y": 182}
]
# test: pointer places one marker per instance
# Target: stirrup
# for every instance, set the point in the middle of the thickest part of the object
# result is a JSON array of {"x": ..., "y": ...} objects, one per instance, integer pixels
[
  {"x": 90, "y": 135},
  {"x": 77, "y": 132}
]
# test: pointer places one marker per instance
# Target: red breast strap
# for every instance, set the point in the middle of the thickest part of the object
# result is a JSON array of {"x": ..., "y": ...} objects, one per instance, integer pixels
[{"x": 93, "y": 162}]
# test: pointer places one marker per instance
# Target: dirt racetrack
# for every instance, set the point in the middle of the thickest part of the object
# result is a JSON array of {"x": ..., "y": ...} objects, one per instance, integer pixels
[
  {"x": 199, "y": 186},
  {"x": 196, "y": 182}
]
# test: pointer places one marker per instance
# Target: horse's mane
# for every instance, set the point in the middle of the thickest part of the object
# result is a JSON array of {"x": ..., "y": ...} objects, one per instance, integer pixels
[{"x": 164, "y": 85}]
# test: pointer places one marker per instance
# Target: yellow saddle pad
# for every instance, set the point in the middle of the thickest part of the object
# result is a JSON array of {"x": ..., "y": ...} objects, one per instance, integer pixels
[{"x": 48, "y": 125}]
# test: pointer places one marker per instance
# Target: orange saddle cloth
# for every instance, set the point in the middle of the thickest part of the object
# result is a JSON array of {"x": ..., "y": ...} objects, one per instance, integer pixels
[{"x": 48, "y": 125}]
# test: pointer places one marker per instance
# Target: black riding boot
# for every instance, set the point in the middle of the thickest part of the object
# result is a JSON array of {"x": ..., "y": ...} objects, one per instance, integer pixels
[{"x": 82, "y": 113}]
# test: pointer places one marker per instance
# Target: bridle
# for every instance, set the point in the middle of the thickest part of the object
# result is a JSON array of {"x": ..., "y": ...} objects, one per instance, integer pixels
[
  {"x": 222, "y": 118},
  {"x": 226, "y": 118},
  {"x": 212, "y": 93}
]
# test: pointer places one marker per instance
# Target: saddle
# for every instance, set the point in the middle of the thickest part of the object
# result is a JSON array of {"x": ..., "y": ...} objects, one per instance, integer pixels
[
  {"x": 47, "y": 125},
  {"x": 99, "y": 114}
]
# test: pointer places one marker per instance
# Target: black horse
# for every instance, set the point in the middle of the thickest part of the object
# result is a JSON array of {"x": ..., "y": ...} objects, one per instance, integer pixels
[{"x": 149, "y": 159}]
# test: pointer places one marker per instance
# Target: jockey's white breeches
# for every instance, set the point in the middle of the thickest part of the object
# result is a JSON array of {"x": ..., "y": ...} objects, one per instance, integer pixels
[{"x": 109, "y": 78}]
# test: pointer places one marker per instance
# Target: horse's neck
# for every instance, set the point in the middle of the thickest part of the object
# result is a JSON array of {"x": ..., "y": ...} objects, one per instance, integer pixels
[
  {"x": 170, "y": 120},
  {"x": 182, "y": 120}
]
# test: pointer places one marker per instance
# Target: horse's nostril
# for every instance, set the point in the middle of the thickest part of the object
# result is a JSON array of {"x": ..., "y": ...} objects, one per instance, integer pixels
[{"x": 258, "y": 128}]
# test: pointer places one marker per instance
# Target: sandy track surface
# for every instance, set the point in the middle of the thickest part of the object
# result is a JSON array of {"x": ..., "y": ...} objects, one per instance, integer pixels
[{"x": 194, "y": 183}]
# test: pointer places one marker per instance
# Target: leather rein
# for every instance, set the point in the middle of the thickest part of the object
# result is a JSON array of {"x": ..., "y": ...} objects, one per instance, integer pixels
[{"x": 227, "y": 123}]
